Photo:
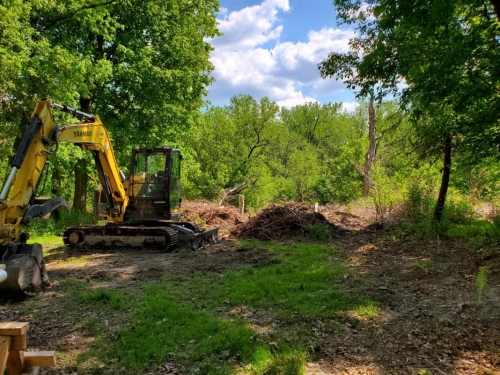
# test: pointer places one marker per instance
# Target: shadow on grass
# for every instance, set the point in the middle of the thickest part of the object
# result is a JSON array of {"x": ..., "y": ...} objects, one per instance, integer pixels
[{"x": 192, "y": 322}]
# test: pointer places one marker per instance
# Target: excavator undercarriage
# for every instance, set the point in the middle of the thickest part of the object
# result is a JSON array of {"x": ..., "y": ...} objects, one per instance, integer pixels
[{"x": 152, "y": 235}]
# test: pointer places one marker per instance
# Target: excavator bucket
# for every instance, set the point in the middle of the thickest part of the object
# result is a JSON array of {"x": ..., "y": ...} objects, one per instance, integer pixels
[{"x": 26, "y": 273}]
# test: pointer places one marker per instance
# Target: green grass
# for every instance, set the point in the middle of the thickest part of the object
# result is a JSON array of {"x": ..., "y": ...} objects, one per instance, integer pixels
[
  {"x": 45, "y": 239},
  {"x": 424, "y": 265},
  {"x": 474, "y": 228},
  {"x": 302, "y": 282},
  {"x": 187, "y": 319}
]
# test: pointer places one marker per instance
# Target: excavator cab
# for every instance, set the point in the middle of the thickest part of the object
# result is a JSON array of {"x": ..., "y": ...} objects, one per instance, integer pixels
[{"x": 154, "y": 185}]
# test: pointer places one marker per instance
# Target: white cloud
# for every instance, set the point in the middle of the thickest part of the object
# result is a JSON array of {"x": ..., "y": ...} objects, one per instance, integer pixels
[
  {"x": 299, "y": 60},
  {"x": 350, "y": 106},
  {"x": 283, "y": 72},
  {"x": 251, "y": 26}
]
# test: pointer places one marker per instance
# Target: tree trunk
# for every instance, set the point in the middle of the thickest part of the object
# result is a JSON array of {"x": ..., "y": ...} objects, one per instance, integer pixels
[
  {"x": 445, "y": 179},
  {"x": 56, "y": 190},
  {"x": 81, "y": 178},
  {"x": 56, "y": 181},
  {"x": 372, "y": 151}
]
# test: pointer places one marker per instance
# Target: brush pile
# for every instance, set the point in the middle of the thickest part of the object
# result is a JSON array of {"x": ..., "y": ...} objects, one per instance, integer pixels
[
  {"x": 208, "y": 214},
  {"x": 282, "y": 221}
]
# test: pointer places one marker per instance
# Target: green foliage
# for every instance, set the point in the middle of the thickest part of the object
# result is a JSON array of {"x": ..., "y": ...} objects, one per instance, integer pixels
[
  {"x": 479, "y": 180},
  {"x": 420, "y": 204},
  {"x": 320, "y": 232},
  {"x": 458, "y": 211},
  {"x": 481, "y": 279},
  {"x": 475, "y": 228},
  {"x": 225, "y": 149},
  {"x": 55, "y": 226}
]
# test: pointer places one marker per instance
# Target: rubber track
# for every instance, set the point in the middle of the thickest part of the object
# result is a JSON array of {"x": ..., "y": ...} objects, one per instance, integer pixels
[{"x": 117, "y": 231}]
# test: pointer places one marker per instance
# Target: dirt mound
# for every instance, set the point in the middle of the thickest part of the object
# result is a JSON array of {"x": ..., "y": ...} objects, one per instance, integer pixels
[
  {"x": 208, "y": 214},
  {"x": 280, "y": 221}
]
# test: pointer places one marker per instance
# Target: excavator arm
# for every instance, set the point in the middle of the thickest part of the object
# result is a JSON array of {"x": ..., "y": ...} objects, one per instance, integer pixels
[
  {"x": 93, "y": 137},
  {"x": 18, "y": 207}
]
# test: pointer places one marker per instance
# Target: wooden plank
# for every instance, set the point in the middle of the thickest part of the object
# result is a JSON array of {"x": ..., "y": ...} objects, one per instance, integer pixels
[
  {"x": 15, "y": 363},
  {"x": 14, "y": 328},
  {"x": 32, "y": 371},
  {"x": 42, "y": 359},
  {"x": 4, "y": 352},
  {"x": 18, "y": 342}
]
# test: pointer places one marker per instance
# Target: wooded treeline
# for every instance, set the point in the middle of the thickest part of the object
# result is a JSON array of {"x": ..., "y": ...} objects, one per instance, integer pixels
[
  {"x": 440, "y": 60},
  {"x": 318, "y": 153},
  {"x": 143, "y": 66}
]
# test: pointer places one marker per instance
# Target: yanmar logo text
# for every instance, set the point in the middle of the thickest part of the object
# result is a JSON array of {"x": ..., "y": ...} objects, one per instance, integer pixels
[{"x": 82, "y": 133}]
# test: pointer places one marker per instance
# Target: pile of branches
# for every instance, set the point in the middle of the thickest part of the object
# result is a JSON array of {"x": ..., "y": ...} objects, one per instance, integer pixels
[
  {"x": 281, "y": 221},
  {"x": 207, "y": 214}
]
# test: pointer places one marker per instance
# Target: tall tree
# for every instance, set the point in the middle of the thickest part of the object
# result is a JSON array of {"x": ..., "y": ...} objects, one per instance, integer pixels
[
  {"x": 142, "y": 65},
  {"x": 372, "y": 148},
  {"x": 440, "y": 58},
  {"x": 228, "y": 146}
]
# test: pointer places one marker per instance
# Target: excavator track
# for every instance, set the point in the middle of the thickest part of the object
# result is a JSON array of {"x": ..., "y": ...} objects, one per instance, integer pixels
[
  {"x": 120, "y": 236},
  {"x": 25, "y": 268},
  {"x": 158, "y": 235}
]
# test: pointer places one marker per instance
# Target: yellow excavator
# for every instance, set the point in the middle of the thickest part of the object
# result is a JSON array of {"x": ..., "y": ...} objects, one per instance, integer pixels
[{"x": 142, "y": 210}]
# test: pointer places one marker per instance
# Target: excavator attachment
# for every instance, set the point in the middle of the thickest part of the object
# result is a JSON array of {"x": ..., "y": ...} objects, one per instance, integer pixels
[
  {"x": 25, "y": 268},
  {"x": 194, "y": 236},
  {"x": 157, "y": 235}
]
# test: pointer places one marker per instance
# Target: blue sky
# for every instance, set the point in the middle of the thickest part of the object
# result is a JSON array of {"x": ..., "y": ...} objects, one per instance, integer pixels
[{"x": 272, "y": 48}]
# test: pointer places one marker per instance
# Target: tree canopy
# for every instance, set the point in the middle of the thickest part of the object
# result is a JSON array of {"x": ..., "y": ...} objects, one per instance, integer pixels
[{"x": 142, "y": 65}]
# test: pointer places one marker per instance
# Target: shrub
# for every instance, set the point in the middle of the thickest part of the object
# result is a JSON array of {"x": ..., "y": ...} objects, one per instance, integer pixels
[{"x": 320, "y": 232}]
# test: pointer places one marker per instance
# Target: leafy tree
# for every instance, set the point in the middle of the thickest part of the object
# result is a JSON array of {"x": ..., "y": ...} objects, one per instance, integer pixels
[
  {"x": 331, "y": 138},
  {"x": 142, "y": 65},
  {"x": 228, "y": 146},
  {"x": 446, "y": 53},
  {"x": 210, "y": 154}
]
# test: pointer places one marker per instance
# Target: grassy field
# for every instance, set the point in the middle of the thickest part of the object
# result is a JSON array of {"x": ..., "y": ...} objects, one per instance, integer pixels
[{"x": 195, "y": 320}]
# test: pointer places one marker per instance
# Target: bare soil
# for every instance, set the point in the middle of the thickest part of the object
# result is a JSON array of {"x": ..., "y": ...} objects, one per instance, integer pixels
[{"x": 432, "y": 317}]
